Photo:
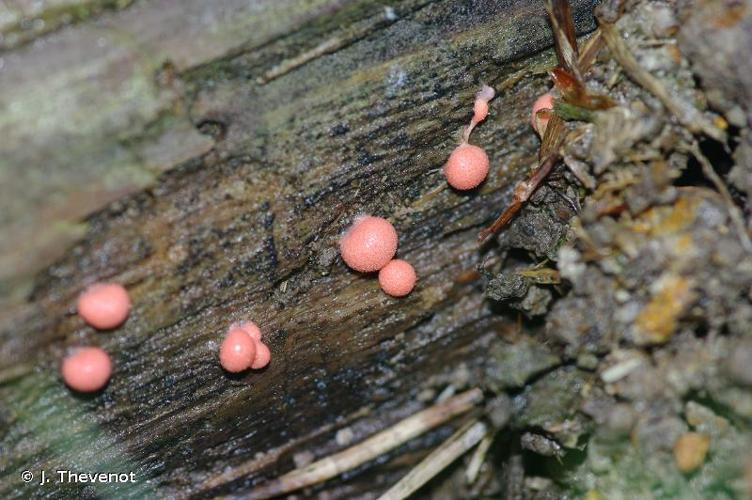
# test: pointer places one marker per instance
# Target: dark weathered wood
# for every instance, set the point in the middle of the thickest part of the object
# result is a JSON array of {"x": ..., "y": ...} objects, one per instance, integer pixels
[{"x": 246, "y": 226}]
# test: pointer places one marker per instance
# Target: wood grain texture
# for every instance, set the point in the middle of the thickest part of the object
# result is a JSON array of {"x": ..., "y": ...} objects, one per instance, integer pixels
[{"x": 244, "y": 223}]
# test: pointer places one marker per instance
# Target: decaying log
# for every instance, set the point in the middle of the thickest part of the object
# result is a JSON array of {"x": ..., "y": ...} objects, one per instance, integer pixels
[{"x": 220, "y": 186}]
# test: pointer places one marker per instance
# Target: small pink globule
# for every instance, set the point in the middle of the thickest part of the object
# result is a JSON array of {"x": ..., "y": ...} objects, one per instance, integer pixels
[
  {"x": 237, "y": 351},
  {"x": 546, "y": 101},
  {"x": 104, "y": 305},
  {"x": 369, "y": 244},
  {"x": 466, "y": 167},
  {"x": 87, "y": 369},
  {"x": 263, "y": 356},
  {"x": 480, "y": 110},
  {"x": 251, "y": 329},
  {"x": 397, "y": 278}
]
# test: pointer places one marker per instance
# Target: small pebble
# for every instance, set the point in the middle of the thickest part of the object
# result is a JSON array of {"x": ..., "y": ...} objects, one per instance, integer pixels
[
  {"x": 87, "y": 369},
  {"x": 397, "y": 278},
  {"x": 690, "y": 450},
  {"x": 104, "y": 305}
]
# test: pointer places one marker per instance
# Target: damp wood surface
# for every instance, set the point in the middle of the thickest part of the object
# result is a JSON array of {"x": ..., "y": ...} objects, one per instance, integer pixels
[{"x": 161, "y": 146}]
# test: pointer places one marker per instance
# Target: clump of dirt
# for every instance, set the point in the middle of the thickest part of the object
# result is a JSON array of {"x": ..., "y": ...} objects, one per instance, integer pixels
[{"x": 638, "y": 382}]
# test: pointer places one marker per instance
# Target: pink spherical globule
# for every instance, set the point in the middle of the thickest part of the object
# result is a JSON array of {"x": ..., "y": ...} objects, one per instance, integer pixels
[
  {"x": 397, "y": 278},
  {"x": 369, "y": 244},
  {"x": 263, "y": 356},
  {"x": 238, "y": 350},
  {"x": 104, "y": 305},
  {"x": 546, "y": 101},
  {"x": 251, "y": 329},
  {"x": 466, "y": 167},
  {"x": 87, "y": 369}
]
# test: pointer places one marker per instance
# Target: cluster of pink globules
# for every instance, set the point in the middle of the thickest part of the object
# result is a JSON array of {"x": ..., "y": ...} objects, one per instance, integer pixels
[
  {"x": 242, "y": 348},
  {"x": 369, "y": 245},
  {"x": 105, "y": 306}
]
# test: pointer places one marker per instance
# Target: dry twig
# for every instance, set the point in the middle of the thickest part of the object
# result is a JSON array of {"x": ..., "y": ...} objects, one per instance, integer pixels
[
  {"x": 554, "y": 137},
  {"x": 449, "y": 451},
  {"x": 384, "y": 441},
  {"x": 473, "y": 468}
]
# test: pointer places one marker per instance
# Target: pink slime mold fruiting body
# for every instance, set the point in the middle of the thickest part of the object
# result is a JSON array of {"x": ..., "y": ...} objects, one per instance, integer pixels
[
  {"x": 104, "y": 305},
  {"x": 369, "y": 244},
  {"x": 251, "y": 329},
  {"x": 466, "y": 167},
  {"x": 87, "y": 369},
  {"x": 263, "y": 356},
  {"x": 397, "y": 278},
  {"x": 238, "y": 350},
  {"x": 480, "y": 109}
]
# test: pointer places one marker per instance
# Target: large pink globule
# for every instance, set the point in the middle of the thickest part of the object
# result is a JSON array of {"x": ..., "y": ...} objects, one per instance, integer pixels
[
  {"x": 104, "y": 305},
  {"x": 369, "y": 244},
  {"x": 466, "y": 167},
  {"x": 238, "y": 350}
]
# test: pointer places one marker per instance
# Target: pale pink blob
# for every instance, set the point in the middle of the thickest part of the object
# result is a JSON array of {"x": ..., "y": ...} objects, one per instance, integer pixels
[
  {"x": 480, "y": 110},
  {"x": 104, "y": 305},
  {"x": 397, "y": 278},
  {"x": 263, "y": 356},
  {"x": 466, "y": 167},
  {"x": 369, "y": 244},
  {"x": 251, "y": 329},
  {"x": 485, "y": 93},
  {"x": 546, "y": 101},
  {"x": 87, "y": 369},
  {"x": 238, "y": 351}
]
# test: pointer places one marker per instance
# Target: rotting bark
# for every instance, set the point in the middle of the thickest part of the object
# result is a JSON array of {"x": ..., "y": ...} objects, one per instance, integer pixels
[{"x": 260, "y": 180}]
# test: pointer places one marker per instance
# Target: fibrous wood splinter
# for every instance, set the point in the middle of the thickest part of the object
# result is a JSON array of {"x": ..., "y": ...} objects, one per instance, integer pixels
[
  {"x": 467, "y": 166},
  {"x": 397, "y": 278},
  {"x": 369, "y": 244},
  {"x": 87, "y": 369},
  {"x": 104, "y": 305}
]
